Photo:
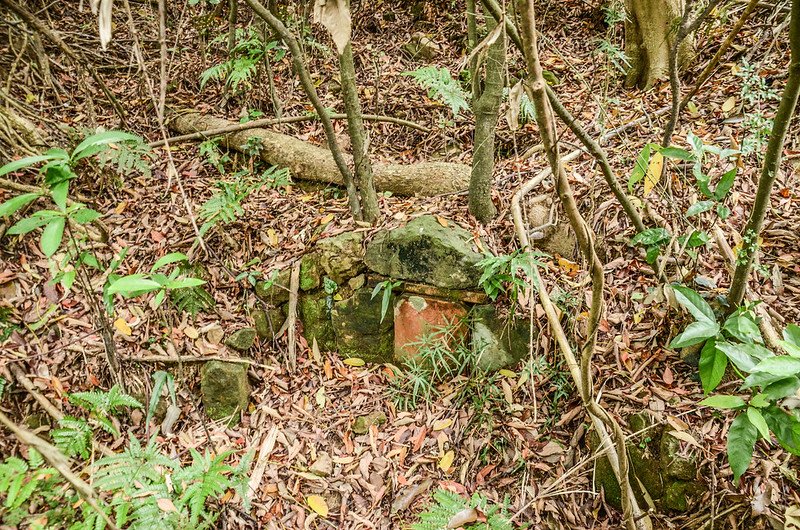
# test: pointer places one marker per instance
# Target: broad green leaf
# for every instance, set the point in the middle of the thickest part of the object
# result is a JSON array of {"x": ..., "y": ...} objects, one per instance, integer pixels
[
  {"x": 755, "y": 417},
  {"x": 134, "y": 283},
  {"x": 723, "y": 212},
  {"x": 84, "y": 215},
  {"x": 697, "y": 238},
  {"x": 158, "y": 299},
  {"x": 173, "y": 257},
  {"x": 742, "y": 438},
  {"x": 28, "y": 224},
  {"x": 785, "y": 427},
  {"x": 183, "y": 283},
  {"x": 713, "y": 363},
  {"x": 28, "y": 161},
  {"x": 640, "y": 168},
  {"x": 103, "y": 138},
  {"x": 792, "y": 334},
  {"x": 759, "y": 401},
  {"x": 694, "y": 303},
  {"x": 760, "y": 379},
  {"x": 743, "y": 328},
  {"x": 695, "y": 333},
  {"x": 15, "y": 203},
  {"x": 677, "y": 153},
  {"x": 699, "y": 207},
  {"x": 52, "y": 235},
  {"x": 744, "y": 356},
  {"x": 651, "y": 236},
  {"x": 59, "y": 194},
  {"x": 784, "y": 365},
  {"x": 791, "y": 349},
  {"x": 782, "y": 388},
  {"x": 723, "y": 402},
  {"x": 725, "y": 184}
]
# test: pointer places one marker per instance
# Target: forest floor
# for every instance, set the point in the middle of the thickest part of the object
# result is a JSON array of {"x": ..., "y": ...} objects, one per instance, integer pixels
[{"x": 532, "y": 453}]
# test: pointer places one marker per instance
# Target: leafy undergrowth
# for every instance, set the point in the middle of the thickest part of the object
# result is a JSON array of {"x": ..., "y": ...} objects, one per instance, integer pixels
[{"x": 520, "y": 453}]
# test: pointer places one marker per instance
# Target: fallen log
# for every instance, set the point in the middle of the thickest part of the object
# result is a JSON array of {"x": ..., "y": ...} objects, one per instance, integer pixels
[{"x": 313, "y": 163}]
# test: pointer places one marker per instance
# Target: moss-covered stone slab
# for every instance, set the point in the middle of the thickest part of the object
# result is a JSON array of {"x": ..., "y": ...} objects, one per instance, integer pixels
[
  {"x": 268, "y": 321},
  {"x": 310, "y": 272},
  {"x": 275, "y": 292},
  {"x": 241, "y": 340},
  {"x": 499, "y": 342},
  {"x": 225, "y": 389},
  {"x": 363, "y": 423},
  {"x": 342, "y": 256},
  {"x": 315, "y": 313},
  {"x": 361, "y": 331},
  {"x": 425, "y": 251}
]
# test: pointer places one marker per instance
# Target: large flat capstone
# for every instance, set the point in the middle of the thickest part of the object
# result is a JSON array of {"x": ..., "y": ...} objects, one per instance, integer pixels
[{"x": 427, "y": 252}]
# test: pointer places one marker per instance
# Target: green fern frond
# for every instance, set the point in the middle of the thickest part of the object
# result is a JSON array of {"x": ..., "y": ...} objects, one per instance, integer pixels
[
  {"x": 447, "y": 504},
  {"x": 442, "y": 87},
  {"x": 73, "y": 436},
  {"x": 192, "y": 300}
]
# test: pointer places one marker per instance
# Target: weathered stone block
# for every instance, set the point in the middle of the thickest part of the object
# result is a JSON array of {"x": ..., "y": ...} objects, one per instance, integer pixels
[
  {"x": 427, "y": 252},
  {"x": 241, "y": 340},
  {"x": 363, "y": 423},
  {"x": 268, "y": 322},
  {"x": 310, "y": 272},
  {"x": 225, "y": 388},
  {"x": 277, "y": 291},
  {"x": 416, "y": 318},
  {"x": 360, "y": 329},
  {"x": 315, "y": 313},
  {"x": 499, "y": 342},
  {"x": 342, "y": 256}
]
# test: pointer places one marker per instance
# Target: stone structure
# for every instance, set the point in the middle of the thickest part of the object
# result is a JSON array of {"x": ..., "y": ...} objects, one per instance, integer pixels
[{"x": 436, "y": 268}]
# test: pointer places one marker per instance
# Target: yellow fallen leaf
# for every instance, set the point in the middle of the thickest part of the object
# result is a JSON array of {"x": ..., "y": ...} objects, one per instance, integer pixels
[
  {"x": 440, "y": 425},
  {"x": 729, "y": 104},
  {"x": 447, "y": 461},
  {"x": 507, "y": 373},
  {"x": 272, "y": 236},
  {"x": 191, "y": 332},
  {"x": 567, "y": 265},
  {"x": 354, "y": 361},
  {"x": 654, "y": 170},
  {"x": 318, "y": 504},
  {"x": 327, "y": 219},
  {"x": 442, "y": 221},
  {"x": 123, "y": 327},
  {"x": 121, "y": 207}
]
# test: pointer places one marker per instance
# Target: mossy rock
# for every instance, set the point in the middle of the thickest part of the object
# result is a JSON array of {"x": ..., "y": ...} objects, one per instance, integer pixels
[
  {"x": 225, "y": 388},
  {"x": 342, "y": 256},
  {"x": 241, "y": 340},
  {"x": 268, "y": 322},
  {"x": 425, "y": 251},
  {"x": 275, "y": 292},
  {"x": 363, "y": 423},
  {"x": 315, "y": 313},
  {"x": 500, "y": 342},
  {"x": 310, "y": 272},
  {"x": 360, "y": 329}
]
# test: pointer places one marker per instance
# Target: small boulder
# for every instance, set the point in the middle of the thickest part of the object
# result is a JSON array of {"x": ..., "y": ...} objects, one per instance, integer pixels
[
  {"x": 361, "y": 330},
  {"x": 422, "y": 47},
  {"x": 275, "y": 292},
  {"x": 310, "y": 272},
  {"x": 315, "y": 313},
  {"x": 363, "y": 423},
  {"x": 225, "y": 388},
  {"x": 342, "y": 256},
  {"x": 554, "y": 240},
  {"x": 241, "y": 340},
  {"x": 499, "y": 342},
  {"x": 427, "y": 252},
  {"x": 268, "y": 321}
]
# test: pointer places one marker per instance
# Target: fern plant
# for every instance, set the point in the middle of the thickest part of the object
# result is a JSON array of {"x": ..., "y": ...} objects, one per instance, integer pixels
[
  {"x": 451, "y": 510},
  {"x": 101, "y": 406},
  {"x": 242, "y": 63},
  {"x": 442, "y": 87}
]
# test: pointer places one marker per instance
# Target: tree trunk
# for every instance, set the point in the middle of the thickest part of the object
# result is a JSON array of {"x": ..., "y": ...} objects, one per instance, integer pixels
[
  {"x": 650, "y": 32},
  {"x": 486, "y": 108},
  {"x": 370, "y": 210},
  {"x": 310, "y": 162}
]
